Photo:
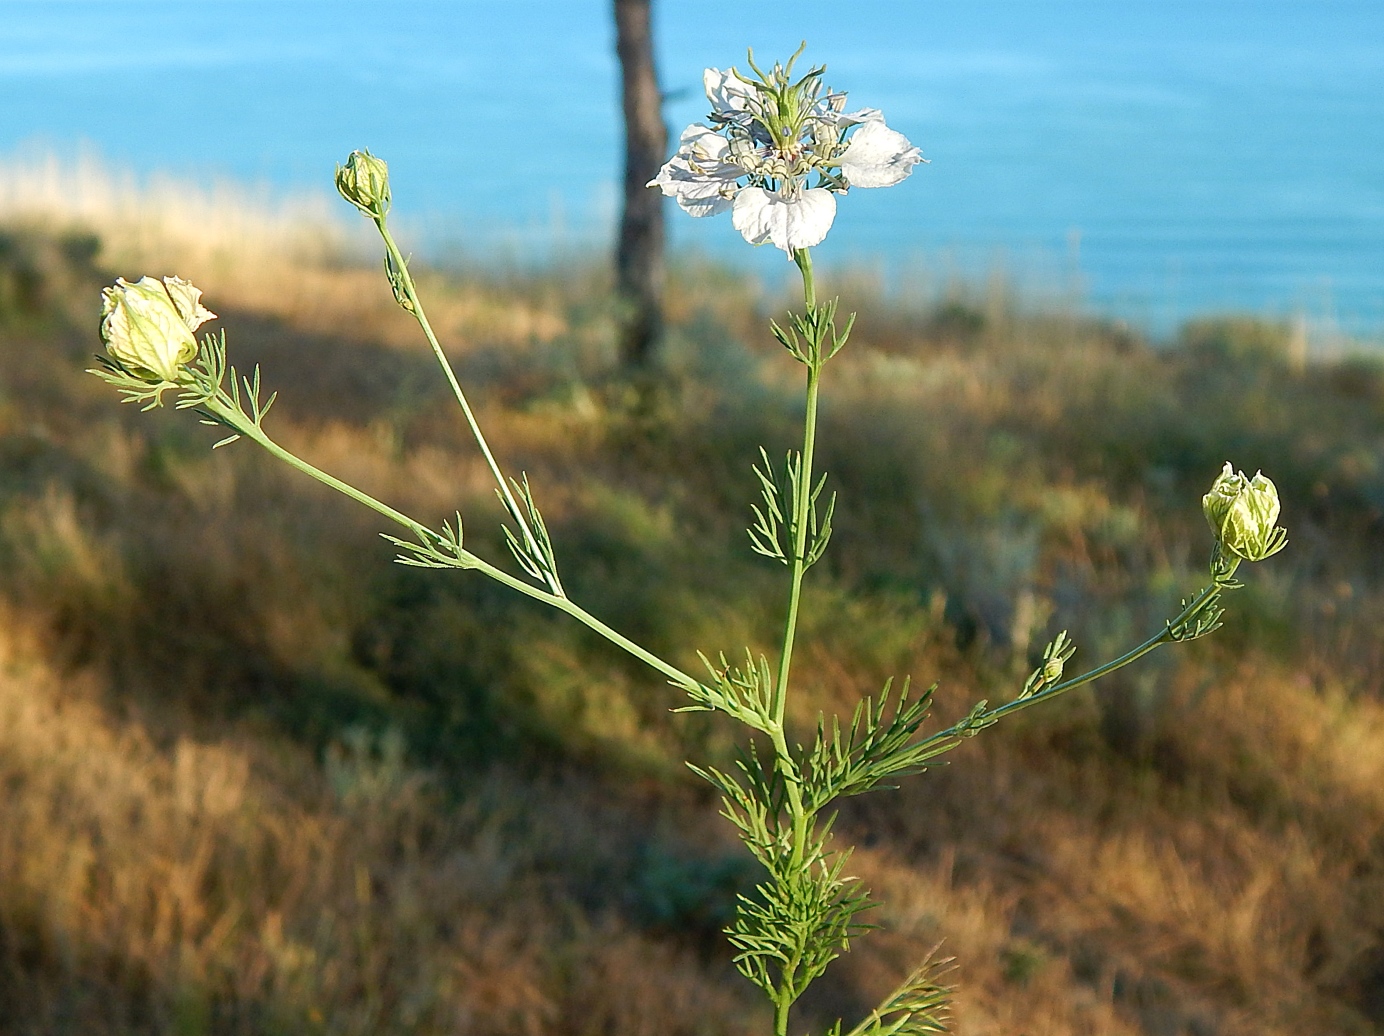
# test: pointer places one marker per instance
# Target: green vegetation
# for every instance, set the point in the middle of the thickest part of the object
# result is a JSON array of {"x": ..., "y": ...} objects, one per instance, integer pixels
[{"x": 255, "y": 778}]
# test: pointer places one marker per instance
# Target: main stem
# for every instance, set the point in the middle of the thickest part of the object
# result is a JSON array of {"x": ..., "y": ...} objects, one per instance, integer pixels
[
  {"x": 802, "y": 503},
  {"x": 405, "y": 280},
  {"x": 802, "y": 500}
]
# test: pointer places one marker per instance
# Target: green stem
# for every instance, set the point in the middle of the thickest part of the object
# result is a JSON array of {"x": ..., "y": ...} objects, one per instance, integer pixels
[
  {"x": 802, "y": 500},
  {"x": 564, "y": 604},
  {"x": 782, "y": 1006},
  {"x": 256, "y": 434},
  {"x": 803, "y": 258},
  {"x": 247, "y": 428},
  {"x": 1157, "y": 640},
  {"x": 415, "y": 306},
  {"x": 798, "y": 566},
  {"x": 1197, "y": 604},
  {"x": 802, "y": 503}
]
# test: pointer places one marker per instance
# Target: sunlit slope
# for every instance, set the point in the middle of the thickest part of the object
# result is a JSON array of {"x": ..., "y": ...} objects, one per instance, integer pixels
[{"x": 254, "y": 778}]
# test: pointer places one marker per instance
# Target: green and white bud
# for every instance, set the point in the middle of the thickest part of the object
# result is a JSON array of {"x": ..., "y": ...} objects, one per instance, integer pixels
[
  {"x": 364, "y": 182},
  {"x": 148, "y": 326},
  {"x": 1241, "y": 512}
]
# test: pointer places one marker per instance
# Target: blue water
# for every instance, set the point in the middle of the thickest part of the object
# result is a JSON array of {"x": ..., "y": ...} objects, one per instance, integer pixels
[{"x": 1161, "y": 157}]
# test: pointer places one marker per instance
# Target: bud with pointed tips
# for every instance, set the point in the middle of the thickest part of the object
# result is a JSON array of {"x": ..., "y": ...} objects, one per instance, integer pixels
[
  {"x": 364, "y": 182},
  {"x": 148, "y": 326},
  {"x": 1241, "y": 512}
]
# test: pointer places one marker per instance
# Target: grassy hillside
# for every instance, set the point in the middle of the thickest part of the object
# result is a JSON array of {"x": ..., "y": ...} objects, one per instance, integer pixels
[{"x": 254, "y": 778}]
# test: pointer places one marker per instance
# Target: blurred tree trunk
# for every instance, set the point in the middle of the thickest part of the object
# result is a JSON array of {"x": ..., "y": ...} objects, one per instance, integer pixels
[{"x": 639, "y": 257}]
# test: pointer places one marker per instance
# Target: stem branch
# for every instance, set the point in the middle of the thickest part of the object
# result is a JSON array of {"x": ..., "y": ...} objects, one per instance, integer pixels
[
  {"x": 415, "y": 306},
  {"x": 1157, "y": 640},
  {"x": 235, "y": 419}
]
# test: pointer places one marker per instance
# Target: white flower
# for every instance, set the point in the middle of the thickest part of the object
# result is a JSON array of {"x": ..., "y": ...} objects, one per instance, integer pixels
[
  {"x": 789, "y": 222},
  {"x": 878, "y": 156},
  {"x": 148, "y": 326},
  {"x": 777, "y": 153}
]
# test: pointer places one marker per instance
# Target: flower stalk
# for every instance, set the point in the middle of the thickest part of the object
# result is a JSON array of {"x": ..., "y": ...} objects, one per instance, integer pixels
[
  {"x": 364, "y": 182},
  {"x": 801, "y": 499}
]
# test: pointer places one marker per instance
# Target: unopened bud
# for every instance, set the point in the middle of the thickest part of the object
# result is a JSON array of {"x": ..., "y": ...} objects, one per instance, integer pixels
[
  {"x": 364, "y": 182},
  {"x": 1241, "y": 512},
  {"x": 148, "y": 326}
]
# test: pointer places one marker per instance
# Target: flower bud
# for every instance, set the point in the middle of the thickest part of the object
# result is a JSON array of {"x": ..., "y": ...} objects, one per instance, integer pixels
[
  {"x": 1241, "y": 512},
  {"x": 148, "y": 326},
  {"x": 364, "y": 182}
]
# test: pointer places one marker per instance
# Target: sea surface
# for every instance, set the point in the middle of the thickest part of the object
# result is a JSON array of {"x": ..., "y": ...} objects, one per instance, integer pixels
[{"x": 1152, "y": 159}]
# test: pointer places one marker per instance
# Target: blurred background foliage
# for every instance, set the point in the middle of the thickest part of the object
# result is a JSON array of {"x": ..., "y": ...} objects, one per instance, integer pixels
[{"x": 255, "y": 778}]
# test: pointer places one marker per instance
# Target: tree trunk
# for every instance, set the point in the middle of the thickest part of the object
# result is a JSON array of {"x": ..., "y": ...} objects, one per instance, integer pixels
[{"x": 639, "y": 257}]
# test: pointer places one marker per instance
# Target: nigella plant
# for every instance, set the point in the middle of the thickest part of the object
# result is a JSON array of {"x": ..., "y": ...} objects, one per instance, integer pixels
[{"x": 776, "y": 151}]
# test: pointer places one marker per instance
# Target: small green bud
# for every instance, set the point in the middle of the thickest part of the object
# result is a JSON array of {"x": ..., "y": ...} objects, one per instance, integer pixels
[
  {"x": 1052, "y": 669},
  {"x": 364, "y": 182},
  {"x": 148, "y": 326},
  {"x": 1241, "y": 512}
]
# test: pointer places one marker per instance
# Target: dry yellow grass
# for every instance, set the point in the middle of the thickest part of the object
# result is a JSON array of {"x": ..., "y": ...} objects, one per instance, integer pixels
[
  {"x": 165, "y": 883},
  {"x": 300, "y": 259}
]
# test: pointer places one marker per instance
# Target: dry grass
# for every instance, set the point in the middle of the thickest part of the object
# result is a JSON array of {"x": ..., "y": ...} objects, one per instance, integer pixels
[
  {"x": 254, "y": 779},
  {"x": 235, "y": 885}
]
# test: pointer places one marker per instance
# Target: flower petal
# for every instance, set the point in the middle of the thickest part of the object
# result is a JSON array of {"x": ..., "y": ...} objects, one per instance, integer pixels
[
  {"x": 800, "y": 221},
  {"x": 695, "y": 194},
  {"x": 878, "y": 156},
  {"x": 700, "y": 176},
  {"x": 703, "y": 146},
  {"x": 728, "y": 93},
  {"x": 187, "y": 299}
]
